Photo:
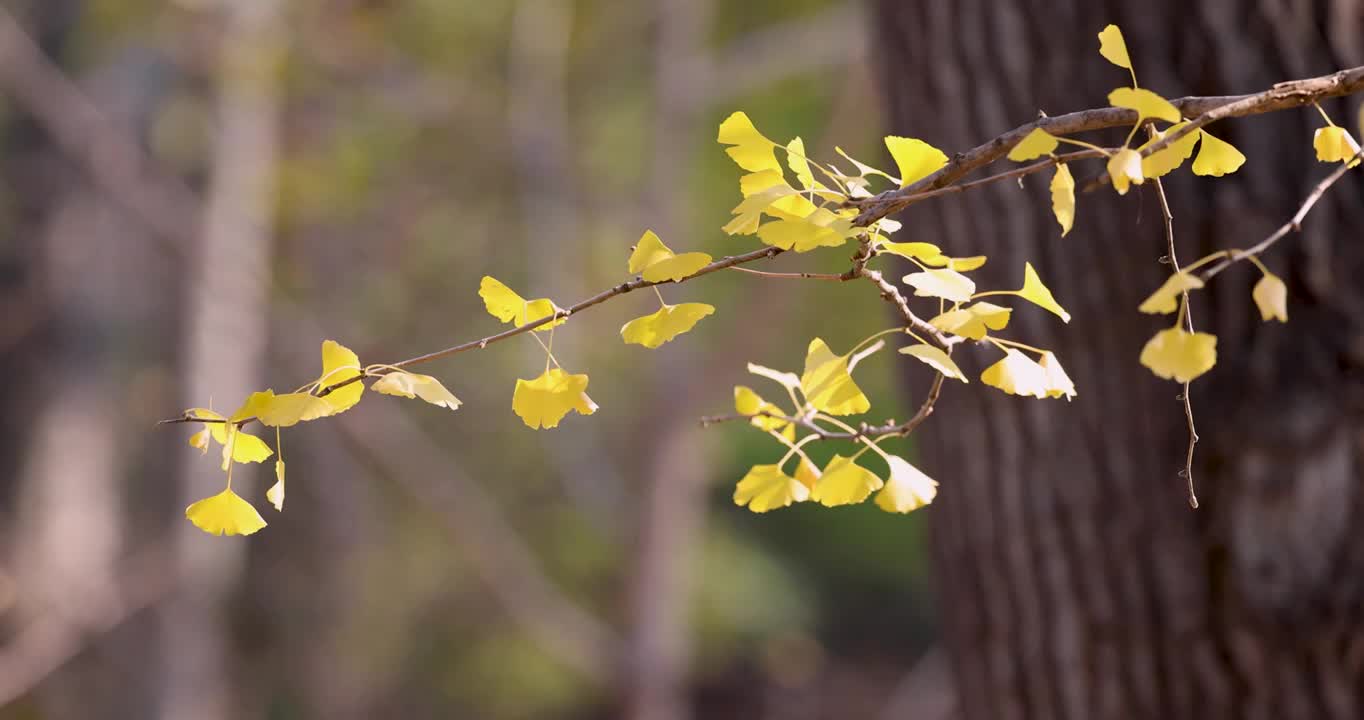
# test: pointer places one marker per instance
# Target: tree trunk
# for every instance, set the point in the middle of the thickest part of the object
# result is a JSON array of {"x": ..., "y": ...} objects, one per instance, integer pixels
[{"x": 1075, "y": 580}]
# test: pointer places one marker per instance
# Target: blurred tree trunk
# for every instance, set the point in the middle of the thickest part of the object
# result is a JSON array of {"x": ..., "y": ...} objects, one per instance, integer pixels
[
  {"x": 1075, "y": 580},
  {"x": 225, "y": 342}
]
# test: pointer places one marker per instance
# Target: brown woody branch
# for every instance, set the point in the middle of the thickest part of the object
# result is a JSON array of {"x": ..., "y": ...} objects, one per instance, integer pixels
[{"x": 1204, "y": 110}]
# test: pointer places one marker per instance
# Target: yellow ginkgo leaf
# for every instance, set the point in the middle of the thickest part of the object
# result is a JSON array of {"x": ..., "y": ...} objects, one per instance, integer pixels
[
  {"x": 747, "y": 402},
  {"x": 281, "y": 410},
  {"x": 748, "y": 213},
  {"x": 1063, "y": 197},
  {"x": 199, "y": 440},
  {"x": 340, "y": 365},
  {"x": 750, "y": 149},
  {"x": 807, "y": 473},
  {"x": 1334, "y": 144},
  {"x": 415, "y": 385},
  {"x": 1216, "y": 157},
  {"x": 544, "y": 401},
  {"x": 766, "y": 487},
  {"x": 1146, "y": 104},
  {"x": 973, "y": 321},
  {"x": 1113, "y": 47},
  {"x": 821, "y": 229},
  {"x": 915, "y": 158},
  {"x": 1271, "y": 297},
  {"x": 790, "y": 381},
  {"x": 225, "y": 514},
  {"x": 907, "y": 489},
  {"x": 1038, "y": 294},
  {"x": 788, "y": 202},
  {"x": 658, "y": 263},
  {"x": 1034, "y": 145},
  {"x": 965, "y": 264},
  {"x": 1058, "y": 383},
  {"x": 942, "y": 283},
  {"x": 921, "y": 251},
  {"x": 936, "y": 359},
  {"x": 1172, "y": 156},
  {"x": 827, "y": 382},
  {"x": 844, "y": 482},
  {"x": 799, "y": 164},
  {"x": 1178, "y": 355},
  {"x": 1017, "y": 374},
  {"x": 1165, "y": 299},
  {"x": 245, "y": 446},
  {"x": 504, "y": 304},
  {"x": 664, "y": 325},
  {"x": 1124, "y": 169},
  {"x": 276, "y": 492}
]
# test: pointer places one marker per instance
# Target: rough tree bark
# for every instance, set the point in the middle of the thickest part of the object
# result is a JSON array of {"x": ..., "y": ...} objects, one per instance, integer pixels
[{"x": 1075, "y": 580}]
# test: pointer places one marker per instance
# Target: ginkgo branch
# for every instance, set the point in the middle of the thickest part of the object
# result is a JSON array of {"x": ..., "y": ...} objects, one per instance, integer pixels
[{"x": 1204, "y": 110}]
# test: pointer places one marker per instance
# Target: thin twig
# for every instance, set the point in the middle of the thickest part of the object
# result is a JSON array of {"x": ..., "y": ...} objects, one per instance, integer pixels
[
  {"x": 832, "y": 277},
  {"x": 1294, "y": 224},
  {"x": 1188, "y": 323}
]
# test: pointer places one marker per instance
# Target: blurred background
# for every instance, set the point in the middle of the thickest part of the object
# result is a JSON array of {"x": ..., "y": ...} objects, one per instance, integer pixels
[{"x": 194, "y": 194}]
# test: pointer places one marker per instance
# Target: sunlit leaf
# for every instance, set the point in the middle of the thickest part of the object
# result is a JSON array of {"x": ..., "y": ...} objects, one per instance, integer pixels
[
  {"x": 1146, "y": 104},
  {"x": 747, "y": 402},
  {"x": 966, "y": 264},
  {"x": 544, "y": 401},
  {"x": 1181, "y": 356},
  {"x": 973, "y": 321},
  {"x": 1034, "y": 145},
  {"x": 1063, "y": 198},
  {"x": 246, "y": 447},
  {"x": 504, "y": 304},
  {"x": 750, "y": 149},
  {"x": 1058, "y": 383},
  {"x": 748, "y": 214},
  {"x": 799, "y": 164},
  {"x": 1017, "y": 374},
  {"x": 1113, "y": 47},
  {"x": 766, "y": 487},
  {"x": 340, "y": 365},
  {"x": 1169, "y": 159},
  {"x": 199, "y": 440},
  {"x": 276, "y": 492},
  {"x": 1216, "y": 157},
  {"x": 807, "y": 473},
  {"x": 282, "y": 410},
  {"x": 821, "y": 229},
  {"x": 414, "y": 385},
  {"x": 844, "y": 482},
  {"x": 1124, "y": 169},
  {"x": 225, "y": 514},
  {"x": 1036, "y": 293},
  {"x": 907, "y": 489},
  {"x": 669, "y": 322},
  {"x": 942, "y": 283},
  {"x": 1334, "y": 144},
  {"x": 936, "y": 359},
  {"x": 658, "y": 263},
  {"x": 915, "y": 158},
  {"x": 1166, "y": 298},
  {"x": 1271, "y": 297},
  {"x": 921, "y": 251},
  {"x": 828, "y": 384}
]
